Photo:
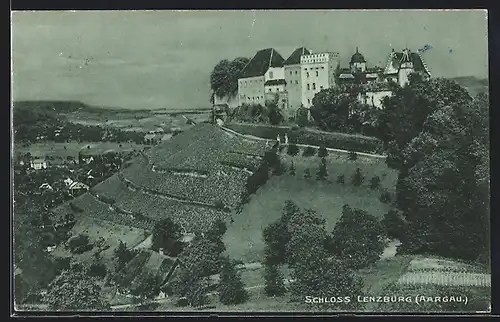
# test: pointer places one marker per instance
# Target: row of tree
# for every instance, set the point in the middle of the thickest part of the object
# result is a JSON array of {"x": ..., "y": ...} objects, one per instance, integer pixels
[{"x": 321, "y": 263}]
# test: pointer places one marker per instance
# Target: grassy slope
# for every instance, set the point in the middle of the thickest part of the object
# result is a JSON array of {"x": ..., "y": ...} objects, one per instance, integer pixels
[{"x": 244, "y": 237}]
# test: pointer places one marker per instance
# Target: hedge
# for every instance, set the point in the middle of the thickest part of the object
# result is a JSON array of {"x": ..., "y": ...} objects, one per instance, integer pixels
[{"x": 334, "y": 140}]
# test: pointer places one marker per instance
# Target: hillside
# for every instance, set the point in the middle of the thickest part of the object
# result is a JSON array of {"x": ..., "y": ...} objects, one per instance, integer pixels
[
  {"x": 196, "y": 177},
  {"x": 473, "y": 84}
]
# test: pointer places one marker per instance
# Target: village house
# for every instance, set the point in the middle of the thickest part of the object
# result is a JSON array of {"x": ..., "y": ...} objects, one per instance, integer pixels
[
  {"x": 401, "y": 64},
  {"x": 38, "y": 163}
]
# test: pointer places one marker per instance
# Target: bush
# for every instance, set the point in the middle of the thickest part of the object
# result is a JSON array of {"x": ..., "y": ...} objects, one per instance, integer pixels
[
  {"x": 307, "y": 174},
  {"x": 97, "y": 270},
  {"x": 394, "y": 224},
  {"x": 322, "y": 173},
  {"x": 322, "y": 152},
  {"x": 292, "y": 150},
  {"x": 353, "y": 156},
  {"x": 385, "y": 197},
  {"x": 281, "y": 148},
  {"x": 274, "y": 285},
  {"x": 375, "y": 182},
  {"x": 292, "y": 169},
  {"x": 357, "y": 178},
  {"x": 309, "y": 151},
  {"x": 341, "y": 179},
  {"x": 79, "y": 244}
]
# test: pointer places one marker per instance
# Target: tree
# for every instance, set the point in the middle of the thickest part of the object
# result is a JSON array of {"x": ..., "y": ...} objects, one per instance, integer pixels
[
  {"x": 316, "y": 273},
  {"x": 357, "y": 238},
  {"x": 273, "y": 112},
  {"x": 146, "y": 287},
  {"x": 292, "y": 169},
  {"x": 341, "y": 179},
  {"x": 332, "y": 106},
  {"x": 231, "y": 289},
  {"x": 322, "y": 152},
  {"x": 274, "y": 285},
  {"x": 293, "y": 149},
  {"x": 197, "y": 262},
  {"x": 375, "y": 182},
  {"x": 309, "y": 151},
  {"x": 353, "y": 156},
  {"x": 225, "y": 75},
  {"x": 276, "y": 235},
  {"x": 217, "y": 230},
  {"x": 322, "y": 173},
  {"x": 357, "y": 178},
  {"x": 394, "y": 224},
  {"x": 123, "y": 255},
  {"x": 165, "y": 233},
  {"x": 307, "y": 174},
  {"x": 302, "y": 116},
  {"x": 75, "y": 291}
]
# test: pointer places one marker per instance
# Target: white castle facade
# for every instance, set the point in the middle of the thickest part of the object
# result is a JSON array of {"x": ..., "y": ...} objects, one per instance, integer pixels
[{"x": 296, "y": 80}]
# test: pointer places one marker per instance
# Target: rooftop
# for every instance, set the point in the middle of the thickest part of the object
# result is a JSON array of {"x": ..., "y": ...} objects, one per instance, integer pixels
[
  {"x": 294, "y": 58},
  {"x": 261, "y": 62},
  {"x": 396, "y": 58}
]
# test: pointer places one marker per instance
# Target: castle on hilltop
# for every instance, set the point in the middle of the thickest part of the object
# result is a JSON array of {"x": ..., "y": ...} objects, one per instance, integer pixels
[{"x": 294, "y": 81}]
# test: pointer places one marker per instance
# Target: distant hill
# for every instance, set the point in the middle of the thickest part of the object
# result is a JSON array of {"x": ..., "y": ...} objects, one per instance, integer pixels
[{"x": 474, "y": 85}]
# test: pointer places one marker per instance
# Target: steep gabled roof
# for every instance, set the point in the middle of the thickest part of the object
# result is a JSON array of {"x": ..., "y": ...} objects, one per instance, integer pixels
[
  {"x": 261, "y": 62},
  {"x": 294, "y": 58},
  {"x": 396, "y": 58}
]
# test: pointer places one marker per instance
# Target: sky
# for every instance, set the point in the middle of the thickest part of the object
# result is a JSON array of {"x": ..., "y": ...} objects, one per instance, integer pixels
[{"x": 163, "y": 59}]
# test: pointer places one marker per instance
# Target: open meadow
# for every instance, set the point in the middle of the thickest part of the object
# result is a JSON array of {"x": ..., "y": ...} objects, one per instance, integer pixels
[{"x": 243, "y": 238}]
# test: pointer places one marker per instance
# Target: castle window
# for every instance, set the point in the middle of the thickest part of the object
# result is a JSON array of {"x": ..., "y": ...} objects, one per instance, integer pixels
[
  {"x": 269, "y": 89},
  {"x": 290, "y": 72},
  {"x": 321, "y": 87},
  {"x": 314, "y": 85},
  {"x": 305, "y": 68},
  {"x": 307, "y": 74},
  {"x": 296, "y": 82},
  {"x": 295, "y": 72},
  {"x": 317, "y": 73},
  {"x": 308, "y": 101},
  {"x": 308, "y": 87}
]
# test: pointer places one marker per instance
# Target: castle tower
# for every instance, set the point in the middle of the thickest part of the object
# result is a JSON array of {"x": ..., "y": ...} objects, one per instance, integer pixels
[
  {"x": 406, "y": 67},
  {"x": 358, "y": 62}
]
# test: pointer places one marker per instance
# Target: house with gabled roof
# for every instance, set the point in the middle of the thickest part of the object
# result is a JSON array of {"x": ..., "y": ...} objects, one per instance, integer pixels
[
  {"x": 293, "y": 77},
  {"x": 266, "y": 65},
  {"x": 401, "y": 64}
]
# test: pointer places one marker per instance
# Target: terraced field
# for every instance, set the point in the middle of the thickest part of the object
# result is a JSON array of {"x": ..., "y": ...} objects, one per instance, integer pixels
[{"x": 195, "y": 178}]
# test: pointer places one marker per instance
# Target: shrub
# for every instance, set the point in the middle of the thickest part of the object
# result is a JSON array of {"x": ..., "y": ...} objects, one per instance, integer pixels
[
  {"x": 322, "y": 152},
  {"x": 309, "y": 151},
  {"x": 79, "y": 244},
  {"x": 281, "y": 148},
  {"x": 293, "y": 149},
  {"x": 353, "y": 156},
  {"x": 394, "y": 224},
  {"x": 292, "y": 169},
  {"x": 307, "y": 174},
  {"x": 375, "y": 182},
  {"x": 357, "y": 178},
  {"x": 341, "y": 179},
  {"x": 97, "y": 270},
  {"x": 322, "y": 173},
  {"x": 385, "y": 197},
  {"x": 274, "y": 285}
]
